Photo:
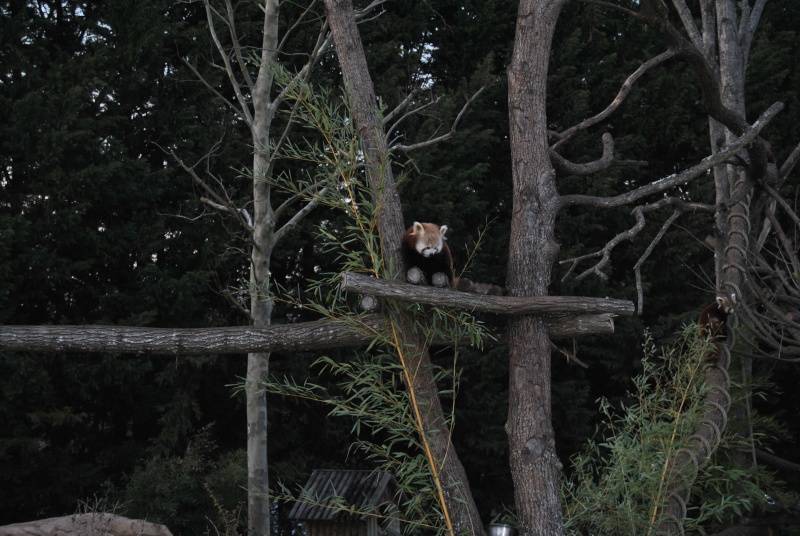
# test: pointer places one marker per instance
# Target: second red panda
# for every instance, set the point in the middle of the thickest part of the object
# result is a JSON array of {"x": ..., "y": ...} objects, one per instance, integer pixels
[{"x": 712, "y": 321}]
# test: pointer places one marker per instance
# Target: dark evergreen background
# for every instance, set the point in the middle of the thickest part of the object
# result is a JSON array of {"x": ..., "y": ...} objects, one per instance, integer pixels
[{"x": 98, "y": 225}]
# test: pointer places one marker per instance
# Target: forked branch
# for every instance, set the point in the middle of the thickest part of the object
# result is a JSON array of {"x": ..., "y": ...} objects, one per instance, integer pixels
[
  {"x": 616, "y": 103},
  {"x": 444, "y": 137},
  {"x": 666, "y": 183}
]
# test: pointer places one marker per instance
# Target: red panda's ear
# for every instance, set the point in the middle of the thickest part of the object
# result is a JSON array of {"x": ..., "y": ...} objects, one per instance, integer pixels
[
  {"x": 418, "y": 228},
  {"x": 443, "y": 228}
]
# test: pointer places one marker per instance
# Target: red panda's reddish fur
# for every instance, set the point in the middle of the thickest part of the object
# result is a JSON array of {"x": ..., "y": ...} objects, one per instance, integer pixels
[
  {"x": 423, "y": 246},
  {"x": 712, "y": 322}
]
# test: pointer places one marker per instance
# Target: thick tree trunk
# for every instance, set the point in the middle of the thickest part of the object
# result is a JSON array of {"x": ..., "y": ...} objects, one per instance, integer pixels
[
  {"x": 445, "y": 463},
  {"x": 724, "y": 46},
  {"x": 532, "y": 252}
]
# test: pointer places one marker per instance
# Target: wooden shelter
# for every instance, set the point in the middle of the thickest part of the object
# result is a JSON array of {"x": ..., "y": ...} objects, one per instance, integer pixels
[{"x": 348, "y": 503}]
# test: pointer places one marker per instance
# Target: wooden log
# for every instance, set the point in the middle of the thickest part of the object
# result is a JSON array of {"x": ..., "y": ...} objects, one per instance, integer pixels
[
  {"x": 415, "y": 276},
  {"x": 567, "y": 326},
  {"x": 440, "y": 280},
  {"x": 509, "y": 305},
  {"x": 316, "y": 335},
  {"x": 369, "y": 304},
  {"x": 305, "y": 336}
]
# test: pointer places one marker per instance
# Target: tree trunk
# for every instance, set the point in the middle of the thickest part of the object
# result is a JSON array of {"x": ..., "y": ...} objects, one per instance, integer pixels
[
  {"x": 258, "y": 502},
  {"x": 370, "y": 128},
  {"x": 724, "y": 45},
  {"x": 532, "y": 251},
  {"x": 457, "y": 496},
  {"x": 742, "y": 219}
]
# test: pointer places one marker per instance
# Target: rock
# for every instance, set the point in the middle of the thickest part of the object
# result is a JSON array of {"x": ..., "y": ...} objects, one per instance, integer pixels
[{"x": 90, "y": 524}]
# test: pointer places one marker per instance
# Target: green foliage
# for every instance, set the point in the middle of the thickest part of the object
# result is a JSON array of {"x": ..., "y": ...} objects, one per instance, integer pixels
[
  {"x": 371, "y": 394},
  {"x": 374, "y": 391},
  {"x": 190, "y": 492},
  {"x": 98, "y": 226},
  {"x": 620, "y": 480}
]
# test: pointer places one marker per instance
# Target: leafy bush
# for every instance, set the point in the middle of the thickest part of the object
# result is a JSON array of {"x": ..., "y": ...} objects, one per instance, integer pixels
[
  {"x": 192, "y": 494},
  {"x": 620, "y": 481}
]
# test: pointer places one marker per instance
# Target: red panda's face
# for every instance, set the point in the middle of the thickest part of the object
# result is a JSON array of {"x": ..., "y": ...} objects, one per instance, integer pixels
[
  {"x": 430, "y": 238},
  {"x": 428, "y": 251},
  {"x": 724, "y": 304}
]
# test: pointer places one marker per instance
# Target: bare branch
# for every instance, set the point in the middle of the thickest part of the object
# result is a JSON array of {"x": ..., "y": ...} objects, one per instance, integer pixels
[
  {"x": 605, "y": 253},
  {"x": 213, "y": 90},
  {"x": 666, "y": 183},
  {"x": 565, "y": 166},
  {"x": 443, "y": 137},
  {"x": 618, "y": 100},
  {"x": 783, "y": 204},
  {"x": 707, "y": 75},
  {"x": 789, "y": 164},
  {"x": 237, "y": 306},
  {"x": 637, "y": 268},
  {"x": 419, "y": 109},
  {"x": 230, "y": 22},
  {"x": 771, "y": 332},
  {"x": 748, "y": 25},
  {"x": 361, "y": 14},
  {"x": 324, "y": 41},
  {"x": 788, "y": 249},
  {"x": 778, "y": 462},
  {"x": 313, "y": 190},
  {"x": 400, "y": 107},
  {"x": 571, "y": 356},
  {"x": 296, "y": 24},
  {"x": 688, "y": 22},
  {"x": 679, "y": 205},
  {"x": 300, "y": 214},
  {"x": 237, "y": 89},
  {"x": 215, "y": 200}
]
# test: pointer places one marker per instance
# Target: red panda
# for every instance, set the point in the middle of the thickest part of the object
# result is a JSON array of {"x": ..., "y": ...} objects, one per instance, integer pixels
[
  {"x": 712, "y": 321},
  {"x": 423, "y": 246}
]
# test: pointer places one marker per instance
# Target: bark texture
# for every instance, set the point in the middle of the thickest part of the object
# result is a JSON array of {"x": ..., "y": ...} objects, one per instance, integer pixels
[
  {"x": 445, "y": 463},
  {"x": 258, "y": 511},
  {"x": 306, "y": 336},
  {"x": 509, "y": 305},
  {"x": 317, "y": 335},
  {"x": 532, "y": 252},
  {"x": 717, "y": 52}
]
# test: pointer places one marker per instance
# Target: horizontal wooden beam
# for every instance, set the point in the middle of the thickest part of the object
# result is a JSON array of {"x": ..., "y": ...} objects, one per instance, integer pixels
[
  {"x": 507, "y": 305},
  {"x": 316, "y": 335},
  {"x": 305, "y": 336}
]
